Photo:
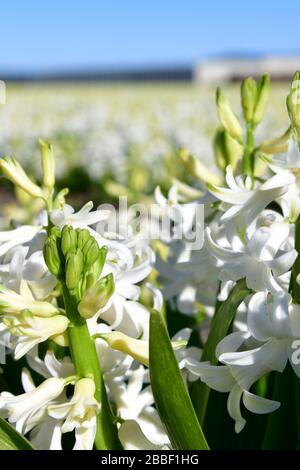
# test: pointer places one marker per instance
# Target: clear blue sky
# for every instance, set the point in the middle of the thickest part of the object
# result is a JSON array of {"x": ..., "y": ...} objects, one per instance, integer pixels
[{"x": 49, "y": 34}]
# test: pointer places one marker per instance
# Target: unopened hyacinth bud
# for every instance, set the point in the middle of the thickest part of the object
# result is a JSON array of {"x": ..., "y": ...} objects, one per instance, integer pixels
[
  {"x": 73, "y": 269},
  {"x": 278, "y": 144},
  {"x": 248, "y": 98},
  {"x": 68, "y": 240},
  {"x": 13, "y": 171},
  {"x": 227, "y": 117},
  {"x": 89, "y": 280},
  {"x": 55, "y": 232},
  {"x": 197, "y": 168},
  {"x": 51, "y": 256},
  {"x": 83, "y": 235},
  {"x": 136, "y": 348},
  {"x": 262, "y": 97},
  {"x": 96, "y": 297},
  {"x": 91, "y": 252},
  {"x": 60, "y": 199},
  {"x": 98, "y": 266},
  {"x": 227, "y": 150},
  {"x": 95, "y": 270},
  {"x": 293, "y": 103},
  {"x": 48, "y": 164}
]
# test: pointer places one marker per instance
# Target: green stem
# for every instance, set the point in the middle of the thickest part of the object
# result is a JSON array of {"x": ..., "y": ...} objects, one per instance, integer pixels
[
  {"x": 248, "y": 159},
  {"x": 49, "y": 208},
  {"x": 86, "y": 362}
]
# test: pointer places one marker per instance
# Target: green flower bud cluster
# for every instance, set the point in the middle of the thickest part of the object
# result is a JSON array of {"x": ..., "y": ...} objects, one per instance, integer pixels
[
  {"x": 74, "y": 257},
  {"x": 232, "y": 142},
  {"x": 254, "y": 98}
]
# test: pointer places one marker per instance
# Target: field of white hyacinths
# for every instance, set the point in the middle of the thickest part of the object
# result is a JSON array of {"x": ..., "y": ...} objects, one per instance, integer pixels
[{"x": 179, "y": 331}]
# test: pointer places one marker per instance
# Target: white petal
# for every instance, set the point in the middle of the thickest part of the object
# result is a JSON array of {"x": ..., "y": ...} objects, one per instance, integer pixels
[
  {"x": 233, "y": 407},
  {"x": 62, "y": 368},
  {"x": 224, "y": 254},
  {"x": 85, "y": 436},
  {"x": 132, "y": 437},
  {"x": 231, "y": 343},
  {"x": 47, "y": 436},
  {"x": 259, "y": 405},
  {"x": 281, "y": 264},
  {"x": 217, "y": 377},
  {"x": 27, "y": 381},
  {"x": 186, "y": 300},
  {"x": 152, "y": 427},
  {"x": 257, "y": 243},
  {"x": 157, "y": 297}
]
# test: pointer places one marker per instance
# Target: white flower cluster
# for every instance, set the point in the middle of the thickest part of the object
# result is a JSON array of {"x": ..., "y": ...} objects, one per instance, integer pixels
[
  {"x": 110, "y": 130},
  {"x": 71, "y": 301},
  {"x": 105, "y": 130},
  {"x": 30, "y": 315},
  {"x": 249, "y": 235}
]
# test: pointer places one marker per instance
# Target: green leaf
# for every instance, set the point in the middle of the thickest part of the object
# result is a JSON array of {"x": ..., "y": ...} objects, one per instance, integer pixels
[
  {"x": 221, "y": 323},
  {"x": 171, "y": 396},
  {"x": 281, "y": 430},
  {"x": 297, "y": 400},
  {"x": 10, "y": 439}
]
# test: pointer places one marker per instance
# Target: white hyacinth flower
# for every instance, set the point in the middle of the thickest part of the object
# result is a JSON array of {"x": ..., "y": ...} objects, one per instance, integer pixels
[
  {"x": 50, "y": 366},
  {"x": 129, "y": 267},
  {"x": 190, "y": 276},
  {"x": 222, "y": 379},
  {"x": 275, "y": 324},
  {"x": 290, "y": 163},
  {"x": 141, "y": 426},
  {"x": 289, "y": 160},
  {"x": 243, "y": 202},
  {"x": 30, "y": 330},
  {"x": 81, "y": 219},
  {"x": 79, "y": 413},
  {"x": 12, "y": 304},
  {"x": 27, "y": 274},
  {"x": 19, "y": 236},
  {"x": 261, "y": 257},
  {"x": 29, "y": 408}
]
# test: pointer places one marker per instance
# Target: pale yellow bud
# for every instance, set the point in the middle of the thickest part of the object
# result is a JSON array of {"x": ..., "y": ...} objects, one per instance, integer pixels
[
  {"x": 136, "y": 348},
  {"x": 278, "y": 144},
  {"x": 48, "y": 164},
  {"x": 13, "y": 171},
  {"x": 228, "y": 118},
  {"x": 198, "y": 169}
]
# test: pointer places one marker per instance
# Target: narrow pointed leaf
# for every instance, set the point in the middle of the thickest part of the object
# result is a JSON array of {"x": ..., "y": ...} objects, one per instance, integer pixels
[
  {"x": 171, "y": 396},
  {"x": 10, "y": 439}
]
